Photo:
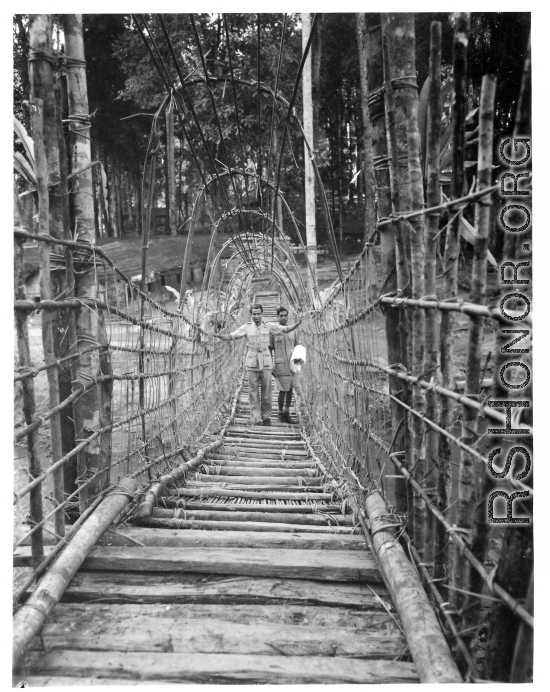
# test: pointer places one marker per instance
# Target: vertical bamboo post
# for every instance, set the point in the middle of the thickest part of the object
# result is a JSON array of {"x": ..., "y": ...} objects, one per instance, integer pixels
[
  {"x": 170, "y": 172},
  {"x": 418, "y": 325},
  {"x": 398, "y": 186},
  {"x": 368, "y": 163},
  {"x": 94, "y": 409},
  {"x": 309, "y": 184},
  {"x": 522, "y": 665},
  {"x": 54, "y": 323},
  {"x": 431, "y": 362},
  {"x": 27, "y": 388},
  {"x": 452, "y": 244},
  {"x": 41, "y": 170},
  {"x": 467, "y": 481},
  {"x": 375, "y": 81}
]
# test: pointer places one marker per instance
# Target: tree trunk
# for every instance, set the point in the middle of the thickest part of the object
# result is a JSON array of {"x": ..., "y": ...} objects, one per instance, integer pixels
[
  {"x": 94, "y": 409},
  {"x": 311, "y": 234}
]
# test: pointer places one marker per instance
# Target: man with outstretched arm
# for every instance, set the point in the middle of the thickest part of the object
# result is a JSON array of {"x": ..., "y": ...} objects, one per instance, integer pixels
[
  {"x": 283, "y": 345},
  {"x": 258, "y": 361}
]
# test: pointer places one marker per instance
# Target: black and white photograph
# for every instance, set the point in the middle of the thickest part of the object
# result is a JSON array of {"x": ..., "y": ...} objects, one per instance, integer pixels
[{"x": 273, "y": 347}]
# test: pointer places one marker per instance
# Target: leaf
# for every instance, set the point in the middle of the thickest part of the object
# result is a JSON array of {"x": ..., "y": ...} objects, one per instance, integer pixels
[
  {"x": 23, "y": 167},
  {"x": 26, "y": 141},
  {"x": 469, "y": 233}
]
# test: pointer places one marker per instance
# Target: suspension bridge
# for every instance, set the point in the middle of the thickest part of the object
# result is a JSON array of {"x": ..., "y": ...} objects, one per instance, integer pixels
[{"x": 201, "y": 549}]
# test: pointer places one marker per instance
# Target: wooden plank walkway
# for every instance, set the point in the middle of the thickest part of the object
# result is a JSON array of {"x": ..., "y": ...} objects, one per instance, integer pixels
[{"x": 254, "y": 571}]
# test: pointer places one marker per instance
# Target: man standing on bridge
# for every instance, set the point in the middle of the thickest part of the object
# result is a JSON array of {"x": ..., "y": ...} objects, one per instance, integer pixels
[
  {"x": 258, "y": 361},
  {"x": 283, "y": 345}
]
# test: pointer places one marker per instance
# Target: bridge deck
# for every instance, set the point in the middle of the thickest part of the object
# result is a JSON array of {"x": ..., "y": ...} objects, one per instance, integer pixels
[{"x": 253, "y": 570}]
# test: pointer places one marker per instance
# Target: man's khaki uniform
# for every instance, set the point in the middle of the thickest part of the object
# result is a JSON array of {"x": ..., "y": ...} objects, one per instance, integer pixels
[
  {"x": 283, "y": 345},
  {"x": 259, "y": 365}
]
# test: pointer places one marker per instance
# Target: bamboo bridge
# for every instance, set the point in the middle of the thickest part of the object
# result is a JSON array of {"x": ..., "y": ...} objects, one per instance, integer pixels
[{"x": 167, "y": 541}]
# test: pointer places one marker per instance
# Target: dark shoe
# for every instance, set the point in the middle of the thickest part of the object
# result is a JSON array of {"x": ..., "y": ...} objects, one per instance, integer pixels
[
  {"x": 267, "y": 421},
  {"x": 287, "y": 418},
  {"x": 281, "y": 417}
]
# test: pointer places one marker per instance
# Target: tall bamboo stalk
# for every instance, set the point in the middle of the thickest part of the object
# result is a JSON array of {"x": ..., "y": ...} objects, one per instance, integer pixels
[
  {"x": 435, "y": 546},
  {"x": 309, "y": 184},
  {"x": 400, "y": 187},
  {"x": 375, "y": 82},
  {"x": 418, "y": 324},
  {"x": 27, "y": 388},
  {"x": 94, "y": 409},
  {"x": 452, "y": 244},
  {"x": 368, "y": 164},
  {"x": 467, "y": 480},
  {"x": 170, "y": 173}
]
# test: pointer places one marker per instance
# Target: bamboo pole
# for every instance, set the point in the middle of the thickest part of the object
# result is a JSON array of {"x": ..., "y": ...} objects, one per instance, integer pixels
[
  {"x": 418, "y": 321},
  {"x": 429, "y": 650},
  {"x": 170, "y": 172},
  {"x": 368, "y": 164},
  {"x": 94, "y": 410},
  {"x": 452, "y": 248},
  {"x": 311, "y": 233},
  {"x": 435, "y": 544},
  {"x": 27, "y": 388},
  {"x": 41, "y": 170},
  {"x": 398, "y": 186},
  {"x": 467, "y": 480},
  {"x": 522, "y": 665},
  {"x": 30, "y": 618},
  {"x": 375, "y": 81}
]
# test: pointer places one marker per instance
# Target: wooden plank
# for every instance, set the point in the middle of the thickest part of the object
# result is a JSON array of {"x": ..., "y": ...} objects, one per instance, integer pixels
[
  {"x": 263, "y": 444},
  {"x": 220, "y": 668},
  {"x": 257, "y": 471},
  {"x": 267, "y": 487},
  {"x": 259, "y": 452},
  {"x": 98, "y": 631},
  {"x": 247, "y": 526},
  {"x": 250, "y": 507},
  {"x": 326, "y": 565},
  {"x": 233, "y": 539},
  {"x": 77, "y": 615},
  {"x": 250, "y": 494},
  {"x": 264, "y": 517},
  {"x": 146, "y": 587},
  {"x": 261, "y": 480},
  {"x": 68, "y": 681},
  {"x": 256, "y": 463}
]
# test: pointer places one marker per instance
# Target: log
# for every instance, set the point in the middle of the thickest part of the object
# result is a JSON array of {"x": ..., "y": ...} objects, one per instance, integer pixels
[
  {"x": 235, "y": 441},
  {"x": 250, "y": 494},
  {"x": 261, "y": 463},
  {"x": 125, "y": 536},
  {"x": 99, "y": 631},
  {"x": 373, "y": 621},
  {"x": 270, "y": 481},
  {"x": 219, "y": 668},
  {"x": 427, "y": 645},
  {"x": 252, "y": 507},
  {"x": 243, "y": 485},
  {"x": 257, "y": 471},
  {"x": 168, "y": 588},
  {"x": 263, "y": 517},
  {"x": 31, "y": 616},
  {"x": 341, "y": 565},
  {"x": 248, "y": 526}
]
